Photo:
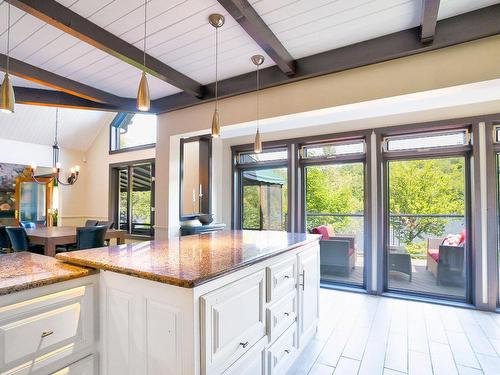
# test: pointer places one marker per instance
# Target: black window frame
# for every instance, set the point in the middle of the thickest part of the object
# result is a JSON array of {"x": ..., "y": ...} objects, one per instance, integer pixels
[
  {"x": 114, "y": 197},
  {"x": 114, "y": 135}
]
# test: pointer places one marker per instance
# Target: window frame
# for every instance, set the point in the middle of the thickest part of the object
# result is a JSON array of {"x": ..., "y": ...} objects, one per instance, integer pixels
[
  {"x": 114, "y": 135},
  {"x": 114, "y": 197}
]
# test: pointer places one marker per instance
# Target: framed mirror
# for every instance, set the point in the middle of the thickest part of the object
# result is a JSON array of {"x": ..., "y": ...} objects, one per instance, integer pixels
[{"x": 195, "y": 177}]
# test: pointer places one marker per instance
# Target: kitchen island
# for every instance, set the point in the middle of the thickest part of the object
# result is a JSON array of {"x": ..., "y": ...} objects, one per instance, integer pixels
[
  {"x": 230, "y": 302},
  {"x": 47, "y": 316}
]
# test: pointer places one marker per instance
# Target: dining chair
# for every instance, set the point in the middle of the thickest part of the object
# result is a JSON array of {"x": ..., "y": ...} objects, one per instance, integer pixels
[
  {"x": 90, "y": 237},
  {"x": 20, "y": 242},
  {"x": 108, "y": 224},
  {"x": 4, "y": 239},
  {"x": 91, "y": 223}
]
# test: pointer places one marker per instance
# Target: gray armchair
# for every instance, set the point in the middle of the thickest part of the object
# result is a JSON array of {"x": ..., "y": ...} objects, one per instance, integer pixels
[{"x": 446, "y": 263}]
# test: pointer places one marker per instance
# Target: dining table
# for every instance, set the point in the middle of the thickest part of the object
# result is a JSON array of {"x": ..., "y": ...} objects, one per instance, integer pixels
[{"x": 50, "y": 237}]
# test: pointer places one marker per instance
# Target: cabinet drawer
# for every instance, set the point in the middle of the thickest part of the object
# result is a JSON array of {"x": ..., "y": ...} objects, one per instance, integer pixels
[
  {"x": 252, "y": 362},
  {"x": 232, "y": 320},
  {"x": 281, "y": 315},
  {"x": 282, "y": 278},
  {"x": 85, "y": 366},
  {"x": 283, "y": 352},
  {"x": 37, "y": 332}
]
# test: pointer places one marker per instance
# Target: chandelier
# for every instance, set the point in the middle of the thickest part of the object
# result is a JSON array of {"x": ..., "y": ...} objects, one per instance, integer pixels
[{"x": 56, "y": 166}]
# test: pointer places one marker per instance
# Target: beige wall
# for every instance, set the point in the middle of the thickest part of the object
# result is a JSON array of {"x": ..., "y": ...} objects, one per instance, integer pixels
[
  {"x": 93, "y": 192},
  {"x": 467, "y": 63}
]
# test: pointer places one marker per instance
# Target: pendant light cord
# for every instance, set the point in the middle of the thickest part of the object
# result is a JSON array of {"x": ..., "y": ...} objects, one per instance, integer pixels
[
  {"x": 8, "y": 37},
  {"x": 216, "y": 67},
  {"x": 258, "y": 101},
  {"x": 145, "y": 33},
  {"x": 57, "y": 117}
]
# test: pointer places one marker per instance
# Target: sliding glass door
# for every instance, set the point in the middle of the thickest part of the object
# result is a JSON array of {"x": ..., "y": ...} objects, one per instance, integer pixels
[
  {"x": 426, "y": 226},
  {"x": 334, "y": 199},
  {"x": 134, "y": 198}
]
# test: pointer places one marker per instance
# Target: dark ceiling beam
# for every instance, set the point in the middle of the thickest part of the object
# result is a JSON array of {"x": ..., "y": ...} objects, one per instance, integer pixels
[
  {"x": 251, "y": 22},
  {"x": 53, "y": 98},
  {"x": 430, "y": 9},
  {"x": 32, "y": 73},
  {"x": 57, "y": 15},
  {"x": 451, "y": 31}
]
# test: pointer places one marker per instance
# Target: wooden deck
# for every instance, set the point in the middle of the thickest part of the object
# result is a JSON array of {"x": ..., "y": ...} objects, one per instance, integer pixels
[{"x": 422, "y": 280}]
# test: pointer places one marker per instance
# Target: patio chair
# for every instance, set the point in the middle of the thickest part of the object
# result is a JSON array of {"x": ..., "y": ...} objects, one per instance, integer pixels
[
  {"x": 445, "y": 262},
  {"x": 337, "y": 252}
]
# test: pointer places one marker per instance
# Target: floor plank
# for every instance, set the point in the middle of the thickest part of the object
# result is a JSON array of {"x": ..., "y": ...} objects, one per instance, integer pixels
[{"x": 362, "y": 334}]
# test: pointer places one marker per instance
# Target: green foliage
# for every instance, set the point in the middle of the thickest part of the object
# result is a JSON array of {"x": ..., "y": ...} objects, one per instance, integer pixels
[
  {"x": 335, "y": 189},
  {"x": 430, "y": 186}
]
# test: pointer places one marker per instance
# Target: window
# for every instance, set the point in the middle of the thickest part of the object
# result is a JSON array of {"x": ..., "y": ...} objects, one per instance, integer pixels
[
  {"x": 424, "y": 141},
  {"x": 263, "y": 189},
  {"x": 426, "y": 235},
  {"x": 133, "y": 198},
  {"x": 333, "y": 150},
  {"x": 132, "y": 131}
]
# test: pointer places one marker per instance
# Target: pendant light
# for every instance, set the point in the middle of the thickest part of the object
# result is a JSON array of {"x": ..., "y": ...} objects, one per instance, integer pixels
[
  {"x": 7, "y": 98},
  {"x": 55, "y": 176},
  {"x": 217, "y": 21},
  {"x": 258, "y": 60},
  {"x": 143, "y": 99}
]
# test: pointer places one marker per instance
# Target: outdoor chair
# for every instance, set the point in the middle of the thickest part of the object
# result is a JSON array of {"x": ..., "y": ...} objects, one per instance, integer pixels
[
  {"x": 337, "y": 252},
  {"x": 445, "y": 262}
]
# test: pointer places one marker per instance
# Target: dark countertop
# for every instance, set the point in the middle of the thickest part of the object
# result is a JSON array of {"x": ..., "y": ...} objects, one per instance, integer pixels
[
  {"x": 24, "y": 270},
  {"x": 191, "y": 260}
]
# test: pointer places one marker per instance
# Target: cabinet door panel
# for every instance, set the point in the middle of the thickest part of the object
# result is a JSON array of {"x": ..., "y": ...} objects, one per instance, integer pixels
[
  {"x": 232, "y": 321},
  {"x": 308, "y": 293},
  {"x": 252, "y": 363}
]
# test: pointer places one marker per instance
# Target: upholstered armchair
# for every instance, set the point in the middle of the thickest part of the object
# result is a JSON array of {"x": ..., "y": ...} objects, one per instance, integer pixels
[{"x": 337, "y": 252}]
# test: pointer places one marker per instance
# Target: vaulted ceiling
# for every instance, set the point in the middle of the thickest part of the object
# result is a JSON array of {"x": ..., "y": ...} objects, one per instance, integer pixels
[{"x": 87, "y": 53}]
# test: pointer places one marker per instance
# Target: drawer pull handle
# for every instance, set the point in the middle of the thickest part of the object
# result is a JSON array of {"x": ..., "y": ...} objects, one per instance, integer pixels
[
  {"x": 287, "y": 314},
  {"x": 287, "y": 351},
  {"x": 244, "y": 344},
  {"x": 303, "y": 285},
  {"x": 47, "y": 333},
  {"x": 287, "y": 276}
]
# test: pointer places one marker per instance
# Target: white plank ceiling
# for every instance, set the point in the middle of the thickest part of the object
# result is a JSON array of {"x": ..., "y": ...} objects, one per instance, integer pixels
[
  {"x": 180, "y": 36},
  {"x": 35, "y": 124}
]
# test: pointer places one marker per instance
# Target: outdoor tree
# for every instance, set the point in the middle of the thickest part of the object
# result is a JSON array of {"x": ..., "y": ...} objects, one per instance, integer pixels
[{"x": 424, "y": 187}]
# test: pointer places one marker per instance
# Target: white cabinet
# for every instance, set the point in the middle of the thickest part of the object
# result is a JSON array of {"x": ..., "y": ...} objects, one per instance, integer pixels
[
  {"x": 282, "y": 278},
  {"x": 281, "y": 315},
  {"x": 251, "y": 363},
  {"x": 308, "y": 265},
  {"x": 46, "y": 329},
  {"x": 283, "y": 352},
  {"x": 233, "y": 321}
]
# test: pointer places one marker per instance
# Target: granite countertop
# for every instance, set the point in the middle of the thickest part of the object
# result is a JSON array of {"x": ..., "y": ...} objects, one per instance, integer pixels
[
  {"x": 191, "y": 260},
  {"x": 24, "y": 270}
]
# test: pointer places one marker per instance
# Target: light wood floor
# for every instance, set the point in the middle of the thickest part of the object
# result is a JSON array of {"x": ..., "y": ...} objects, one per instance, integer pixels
[{"x": 371, "y": 335}]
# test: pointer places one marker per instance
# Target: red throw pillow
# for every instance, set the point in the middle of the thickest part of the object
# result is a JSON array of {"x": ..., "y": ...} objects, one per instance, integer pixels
[
  {"x": 321, "y": 230},
  {"x": 462, "y": 237}
]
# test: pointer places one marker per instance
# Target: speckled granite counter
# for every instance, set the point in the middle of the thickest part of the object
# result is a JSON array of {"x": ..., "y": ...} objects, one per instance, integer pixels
[
  {"x": 192, "y": 260},
  {"x": 23, "y": 270}
]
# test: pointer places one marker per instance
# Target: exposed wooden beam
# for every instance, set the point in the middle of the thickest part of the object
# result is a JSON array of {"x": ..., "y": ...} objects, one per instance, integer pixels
[
  {"x": 430, "y": 9},
  {"x": 57, "y": 15},
  {"x": 26, "y": 95},
  {"x": 46, "y": 78},
  {"x": 450, "y": 31},
  {"x": 249, "y": 19}
]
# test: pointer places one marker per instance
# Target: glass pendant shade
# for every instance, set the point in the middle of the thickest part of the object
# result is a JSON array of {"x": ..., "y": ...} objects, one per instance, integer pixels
[
  {"x": 257, "y": 146},
  {"x": 7, "y": 99},
  {"x": 215, "y": 124},
  {"x": 143, "y": 99}
]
